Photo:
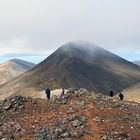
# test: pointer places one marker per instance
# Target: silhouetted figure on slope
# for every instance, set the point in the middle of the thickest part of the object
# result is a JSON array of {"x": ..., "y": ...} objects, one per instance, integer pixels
[
  {"x": 48, "y": 93},
  {"x": 111, "y": 93},
  {"x": 62, "y": 94},
  {"x": 76, "y": 89},
  {"x": 121, "y": 96}
]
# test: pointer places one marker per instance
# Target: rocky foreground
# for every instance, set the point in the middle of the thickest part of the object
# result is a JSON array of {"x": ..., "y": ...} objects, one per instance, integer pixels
[{"x": 81, "y": 115}]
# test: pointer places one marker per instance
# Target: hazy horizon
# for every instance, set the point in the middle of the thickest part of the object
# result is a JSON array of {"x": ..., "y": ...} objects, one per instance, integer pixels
[
  {"x": 31, "y": 30},
  {"x": 34, "y": 58}
]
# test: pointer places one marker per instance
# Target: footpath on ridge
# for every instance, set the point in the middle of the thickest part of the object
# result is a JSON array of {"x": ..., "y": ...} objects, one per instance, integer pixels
[{"x": 81, "y": 115}]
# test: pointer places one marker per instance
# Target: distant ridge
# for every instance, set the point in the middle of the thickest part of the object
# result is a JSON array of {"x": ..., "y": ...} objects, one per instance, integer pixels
[
  {"x": 136, "y": 62},
  {"x": 13, "y": 68},
  {"x": 132, "y": 93},
  {"x": 77, "y": 64}
]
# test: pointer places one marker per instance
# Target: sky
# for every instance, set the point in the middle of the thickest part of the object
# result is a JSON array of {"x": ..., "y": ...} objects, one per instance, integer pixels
[{"x": 32, "y": 29}]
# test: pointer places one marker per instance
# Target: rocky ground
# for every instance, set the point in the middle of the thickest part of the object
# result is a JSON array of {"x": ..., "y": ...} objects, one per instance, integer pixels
[{"x": 81, "y": 115}]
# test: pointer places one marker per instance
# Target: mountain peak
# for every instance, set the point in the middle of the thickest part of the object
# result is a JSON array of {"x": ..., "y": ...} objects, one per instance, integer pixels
[
  {"x": 79, "y": 45},
  {"x": 80, "y": 49}
]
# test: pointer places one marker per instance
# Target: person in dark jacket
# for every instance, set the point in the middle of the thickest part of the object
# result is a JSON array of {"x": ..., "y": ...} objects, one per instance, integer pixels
[
  {"x": 121, "y": 96},
  {"x": 111, "y": 93},
  {"x": 62, "y": 94},
  {"x": 48, "y": 93}
]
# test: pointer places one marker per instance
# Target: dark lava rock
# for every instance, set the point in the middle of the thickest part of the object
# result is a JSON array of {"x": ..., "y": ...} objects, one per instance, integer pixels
[
  {"x": 1, "y": 103},
  {"x": 7, "y": 106},
  {"x": 123, "y": 135},
  {"x": 80, "y": 103},
  {"x": 83, "y": 91},
  {"x": 58, "y": 123},
  {"x": 70, "y": 90},
  {"x": 44, "y": 134},
  {"x": 83, "y": 118},
  {"x": 1, "y": 110},
  {"x": 71, "y": 117},
  {"x": 58, "y": 132},
  {"x": 18, "y": 127},
  {"x": 71, "y": 111},
  {"x": 76, "y": 123},
  {"x": 15, "y": 102},
  {"x": 65, "y": 135},
  {"x": 76, "y": 133},
  {"x": 1, "y": 135}
]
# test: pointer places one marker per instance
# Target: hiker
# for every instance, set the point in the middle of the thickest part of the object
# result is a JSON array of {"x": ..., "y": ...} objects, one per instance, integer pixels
[
  {"x": 111, "y": 93},
  {"x": 62, "y": 94},
  {"x": 48, "y": 93},
  {"x": 121, "y": 96},
  {"x": 76, "y": 90}
]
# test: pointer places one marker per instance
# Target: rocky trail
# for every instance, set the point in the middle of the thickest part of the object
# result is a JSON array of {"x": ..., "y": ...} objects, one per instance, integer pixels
[{"x": 81, "y": 115}]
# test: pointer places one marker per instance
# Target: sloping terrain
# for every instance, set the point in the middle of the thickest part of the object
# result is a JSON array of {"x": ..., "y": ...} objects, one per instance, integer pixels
[
  {"x": 80, "y": 116},
  {"x": 137, "y": 62},
  {"x": 76, "y": 65},
  {"x": 132, "y": 93},
  {"x": 13, "y": 68}
]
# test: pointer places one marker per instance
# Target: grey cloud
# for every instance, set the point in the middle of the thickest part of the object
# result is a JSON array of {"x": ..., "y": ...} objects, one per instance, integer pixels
[{"x": 47, "y": 24}]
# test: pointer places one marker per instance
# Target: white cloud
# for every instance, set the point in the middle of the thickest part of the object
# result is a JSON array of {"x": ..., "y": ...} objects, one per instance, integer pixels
[{"x": 15, "y": 45}]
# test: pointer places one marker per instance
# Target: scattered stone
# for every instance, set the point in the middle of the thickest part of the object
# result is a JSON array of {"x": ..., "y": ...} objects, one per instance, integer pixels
[
  {"x": 7, "y": 106},
  {"x": 58, "y": 123},
  {"x": 89, "y": 131},
  {"x": 64, "y": 101},
  {"x": 15, "y": 102},
  {"x": 44, "y": 134},
  {"x": 104, "y": 137},
  {"x": 57, "y": 132},
  {"x": 71, "y": 117},
  {"x": 123, "y": 135},
  {"x": 83, "y": 91},
  {"x": 1, "y": 110},
  {"x": 1, "y": 103},
  {"x": 83, "y": 118},
  {"x": 76, "y": 123},
  {"x": 76, "y": 133},
  {"x": 97, "y": 119},
  {"x": 70, "y": 90},
  {"x": 70, "y": 111},
  {"x": 65, "y": 135},
  {"x": 81, "y": 103},
  {"x": 18, "y": 127},
  {"x": 10, "y": 137},
  {"x": 1, "y": 135}
]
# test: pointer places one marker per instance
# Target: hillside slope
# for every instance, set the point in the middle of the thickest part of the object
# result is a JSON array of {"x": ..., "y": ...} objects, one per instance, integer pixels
[
  {"x": 137, "y": 62},
  {"x": 77, "y": 64},
  {"x": 13, "y": 68},
  {"x": 132, "y": 93}
]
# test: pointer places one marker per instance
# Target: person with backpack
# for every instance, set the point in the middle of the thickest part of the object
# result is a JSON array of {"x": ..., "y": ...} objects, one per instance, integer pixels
[{"x": 48, "y": 93}]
